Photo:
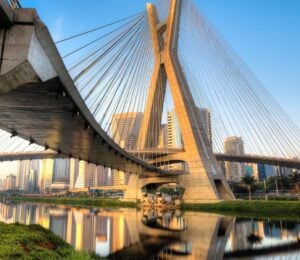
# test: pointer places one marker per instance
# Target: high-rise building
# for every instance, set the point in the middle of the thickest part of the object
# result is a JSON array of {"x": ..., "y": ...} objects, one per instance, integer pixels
[
  {"x": 163, "y": 136},
  {"x": 33, "y": 181},
  {"x": 235, "y": 146},
  {"x": 249, "y": 169},
  {"x": 284, "y": 171},
  {"x": 85, "y": 175},
  {"x": 270, "y": 170},
  {"x": 10, "y": 182},
  {"x": 125, "y": 129},
  {"x": 119, "y": 177},
  {"x": 80, "y": 180},
  {"x": 74, "y": 171},
  {"x": 206, "y": 122},
  {"x": 103, "y": 177},
  {"x": 174, "y": 137},
  {"x": 173, "y": 130},
  {"x": 61, "y": 174},
  {"x": 91, "y": 176},
  {"x": 28, "y": 174},
  {"x": 23, "y": 174},
  {"x": 258, "y": 171},
  {"x": 46, "y": 175},
  {"x": 261, "y": 172},
  {"x": 61, "y": 171}
]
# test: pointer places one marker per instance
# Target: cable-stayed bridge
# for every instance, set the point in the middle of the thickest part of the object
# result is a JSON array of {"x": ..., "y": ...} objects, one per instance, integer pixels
[{"x": 155, "y": 94}]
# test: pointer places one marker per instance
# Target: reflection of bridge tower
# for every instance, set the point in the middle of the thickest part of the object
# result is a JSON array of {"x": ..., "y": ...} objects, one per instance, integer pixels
[
  {"x": 205, "y": 236},
  {"x": 59, "y": 222},
  {"x": 205, "y": 180}
]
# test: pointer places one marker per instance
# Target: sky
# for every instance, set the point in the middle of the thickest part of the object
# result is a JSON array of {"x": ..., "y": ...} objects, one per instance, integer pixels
[{"x": 264, "y": 33}]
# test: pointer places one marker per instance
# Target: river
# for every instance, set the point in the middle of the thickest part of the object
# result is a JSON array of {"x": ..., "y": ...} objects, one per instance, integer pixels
[{"x": 147, "y": 234}]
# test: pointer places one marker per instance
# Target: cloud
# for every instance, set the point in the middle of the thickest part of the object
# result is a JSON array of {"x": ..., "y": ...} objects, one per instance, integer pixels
[{"x": 57, "y": 29}]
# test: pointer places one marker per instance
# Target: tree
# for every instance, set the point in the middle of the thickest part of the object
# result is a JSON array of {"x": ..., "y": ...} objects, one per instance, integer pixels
[
  {"x": 295, "y": 181},
  {"x": 248, "y": 181}
]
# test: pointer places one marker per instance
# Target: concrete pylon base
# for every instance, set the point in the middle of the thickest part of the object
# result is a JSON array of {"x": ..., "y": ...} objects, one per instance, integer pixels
[
  {"x": 133, "y": 191},
  {"x": 197, "y": 187}
]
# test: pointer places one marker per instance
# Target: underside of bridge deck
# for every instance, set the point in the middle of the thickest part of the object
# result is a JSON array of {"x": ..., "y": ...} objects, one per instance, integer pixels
[
  {"x": 38, "y": 112},
  {"x": 39, "y": 101}
]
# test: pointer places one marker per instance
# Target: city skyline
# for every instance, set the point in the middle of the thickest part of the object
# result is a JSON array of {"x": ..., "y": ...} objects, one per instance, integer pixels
[{"x": 140, "y": 113}]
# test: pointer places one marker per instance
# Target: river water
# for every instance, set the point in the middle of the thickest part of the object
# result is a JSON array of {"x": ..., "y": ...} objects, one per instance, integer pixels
[{"x": 146, "y": 234}]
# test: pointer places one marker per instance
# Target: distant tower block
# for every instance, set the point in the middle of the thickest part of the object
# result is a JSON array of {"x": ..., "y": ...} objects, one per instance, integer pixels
[{"x": 205, "y": 181}]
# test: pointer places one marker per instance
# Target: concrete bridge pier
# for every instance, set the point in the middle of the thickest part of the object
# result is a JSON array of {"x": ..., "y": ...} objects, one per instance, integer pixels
[
  {"x": 24, "y": 59},
  {"x": 197, "y": 190}
]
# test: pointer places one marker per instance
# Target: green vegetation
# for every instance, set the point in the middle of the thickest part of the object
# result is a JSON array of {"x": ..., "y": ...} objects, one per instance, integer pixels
[
  {"x": 34, "y": 242},
  {"x": 254, "y": 208},
  {"x": 249, "y": 182},
  {"x": 274, "y": 185},
  {"x": 295, "y": 181},
  {"x": 77, "y": 201},
  {"x": 173, "y": 191}
]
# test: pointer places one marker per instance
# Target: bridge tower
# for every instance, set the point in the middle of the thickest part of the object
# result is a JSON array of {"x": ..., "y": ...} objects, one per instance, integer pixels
[{"x": 205, "y": 180}]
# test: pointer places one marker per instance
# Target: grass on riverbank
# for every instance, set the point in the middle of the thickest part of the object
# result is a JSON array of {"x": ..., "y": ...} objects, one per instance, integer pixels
[
  {"x": 34, "y": 242},
  {"x": 258, "y": 208},
  {"x": 78, "y": 201}
]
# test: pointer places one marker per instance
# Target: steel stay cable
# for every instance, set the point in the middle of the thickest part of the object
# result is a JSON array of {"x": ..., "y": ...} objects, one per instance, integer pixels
[
  {"x": 97, "y": 39},
  {"x": 108, "y": 89},
  {"x": 96, "y": 29},
  {"x": 108, "y": 106},
  {"x": 98, "y": 59}
]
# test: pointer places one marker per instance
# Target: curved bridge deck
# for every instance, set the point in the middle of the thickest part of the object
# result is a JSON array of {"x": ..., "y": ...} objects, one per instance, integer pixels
[
  {"x": 40, "y": 102},
  {"x": 282, "y": 162}
]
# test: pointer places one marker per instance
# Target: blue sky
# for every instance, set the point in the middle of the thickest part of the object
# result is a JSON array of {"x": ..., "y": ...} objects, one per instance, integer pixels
[{"x": 265, "y": 34}]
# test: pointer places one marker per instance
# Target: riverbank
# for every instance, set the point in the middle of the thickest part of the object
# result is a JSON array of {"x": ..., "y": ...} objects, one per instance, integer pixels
[
  {"x": 255, "y": 208},
  {"x": 34, "y": 242},
  {"x": 77, "y": 201},
  {"x": 258, "y": 208}
]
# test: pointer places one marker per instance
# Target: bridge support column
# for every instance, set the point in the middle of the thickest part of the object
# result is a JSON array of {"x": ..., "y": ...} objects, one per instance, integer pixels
[
  {"x": 197, "y": 189},
  {"x": 134, "y": 191},
  {"x": 24, "y": 60}
]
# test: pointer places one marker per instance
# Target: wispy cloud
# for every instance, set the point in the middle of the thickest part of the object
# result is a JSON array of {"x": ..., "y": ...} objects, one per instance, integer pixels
[{"x": 57, "y": 29}]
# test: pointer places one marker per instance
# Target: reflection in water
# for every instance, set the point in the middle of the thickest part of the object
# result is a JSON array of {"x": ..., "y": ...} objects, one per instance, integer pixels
[
  {"x": 178, "y": 248},
  {"x": 173, "y": 221},
  {"x": 121, "y": 233}
]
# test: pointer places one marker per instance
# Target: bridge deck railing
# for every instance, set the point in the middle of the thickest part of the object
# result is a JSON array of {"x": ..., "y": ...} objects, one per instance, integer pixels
[
  {"x": 14, "y": 3},
  {"x": 269, "y": 195}
]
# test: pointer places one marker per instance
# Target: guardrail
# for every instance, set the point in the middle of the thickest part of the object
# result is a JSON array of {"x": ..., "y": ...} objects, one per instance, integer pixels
[
  {"x": 14, "y": 3},
  {"x": 270, "y": 195}
]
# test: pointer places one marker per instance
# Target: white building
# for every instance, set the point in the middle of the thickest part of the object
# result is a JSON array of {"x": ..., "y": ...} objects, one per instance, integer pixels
[
  {"x": 234, "y": 171},
  {"x": 174, "y": 131},
  {"x": 125, "y": 129},
  {"x": 10, "y": 182},
  {"x": 46, "y": 175},
  {"x": 28, "y": 175},
  {"x": 206, "y": 123}
]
